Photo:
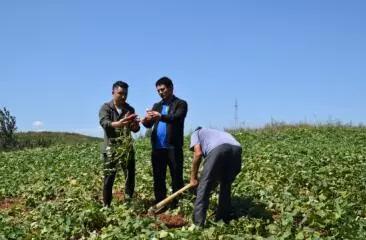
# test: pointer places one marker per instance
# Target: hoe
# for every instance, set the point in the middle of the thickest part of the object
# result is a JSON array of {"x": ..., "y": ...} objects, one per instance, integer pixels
[{"x": 156, "y": 208}]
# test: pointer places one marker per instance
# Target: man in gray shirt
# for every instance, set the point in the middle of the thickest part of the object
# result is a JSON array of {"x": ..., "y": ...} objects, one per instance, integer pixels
[
  {"x": 114, "y": 116},
  {"x": 222, "y": 155}
]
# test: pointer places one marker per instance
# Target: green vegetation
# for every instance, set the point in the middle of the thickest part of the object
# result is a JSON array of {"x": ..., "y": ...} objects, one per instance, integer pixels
[
  {"x": 7, "y": 129},
  {"x": 297, "y": 182},
  {"x": 119, "y": 152},
  {"x": 10, "y": 140},
  {"x": 46, "y": 139}
]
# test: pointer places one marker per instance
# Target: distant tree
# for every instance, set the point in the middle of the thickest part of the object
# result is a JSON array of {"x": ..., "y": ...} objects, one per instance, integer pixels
[{"x": 7, "y": 129}]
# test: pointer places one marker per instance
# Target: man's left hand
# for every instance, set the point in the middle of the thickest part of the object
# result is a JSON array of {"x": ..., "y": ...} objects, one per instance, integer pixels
[
  {"x": 194, "y": 182},
  {"x": 154, "y": 115}
]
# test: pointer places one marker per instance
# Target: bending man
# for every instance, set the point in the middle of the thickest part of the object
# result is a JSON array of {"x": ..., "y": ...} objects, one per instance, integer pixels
[{"x": 222, "y": 155}]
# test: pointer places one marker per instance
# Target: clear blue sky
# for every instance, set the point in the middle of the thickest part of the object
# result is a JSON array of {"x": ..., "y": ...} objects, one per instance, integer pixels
[{"x": 285, "y": 60}]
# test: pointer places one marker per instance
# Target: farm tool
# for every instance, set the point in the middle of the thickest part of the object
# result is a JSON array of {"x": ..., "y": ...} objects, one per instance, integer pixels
[{"x": 159, "y": 206}]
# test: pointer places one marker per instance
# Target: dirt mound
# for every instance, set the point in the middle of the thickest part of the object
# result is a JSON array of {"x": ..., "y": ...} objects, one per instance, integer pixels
[
  {"x": 119, "y": 195},
  {"x": 9, "y": 203},
  {"x": 172, "y": 221}
]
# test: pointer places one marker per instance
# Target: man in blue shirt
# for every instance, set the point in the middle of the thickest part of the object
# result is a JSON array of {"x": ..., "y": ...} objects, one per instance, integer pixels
[
  {"x": 161, "y": 142},
  {"x": 167, "y": 119},
  {"x": 222, "y": 155}
]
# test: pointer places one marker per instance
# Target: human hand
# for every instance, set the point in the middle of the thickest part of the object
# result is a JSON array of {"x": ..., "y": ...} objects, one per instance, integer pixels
[
  {"x": 193, "y": 182},
  {"x": 151, "y": 116},
  {"x": 154, "y": 115},
  {"x": 126, "y": 120},
  {"x": 135, "y": 124}
]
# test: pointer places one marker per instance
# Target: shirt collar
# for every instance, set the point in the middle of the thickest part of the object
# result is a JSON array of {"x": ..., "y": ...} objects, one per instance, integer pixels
[
  {"x": 111, "y": 105},
  {"x": 168, "y": 102}
]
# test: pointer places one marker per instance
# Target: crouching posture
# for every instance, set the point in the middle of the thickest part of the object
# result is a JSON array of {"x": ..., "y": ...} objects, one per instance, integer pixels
[{"x": 222, "y": 154}]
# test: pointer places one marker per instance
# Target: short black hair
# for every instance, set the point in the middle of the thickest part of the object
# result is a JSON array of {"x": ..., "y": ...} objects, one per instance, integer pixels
[
  {"x": 198, "y": 128},
  {"x": 120, "y": 84},
  {"x": 164, "y": 81}
]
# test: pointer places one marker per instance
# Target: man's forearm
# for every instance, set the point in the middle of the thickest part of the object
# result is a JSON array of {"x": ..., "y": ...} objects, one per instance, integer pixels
[
  {"x": 116, "y": 124},
  {"x": 179, "y": 115},
  {"x": 147, "y": 123},
  {"x": 195, "y": 165}
]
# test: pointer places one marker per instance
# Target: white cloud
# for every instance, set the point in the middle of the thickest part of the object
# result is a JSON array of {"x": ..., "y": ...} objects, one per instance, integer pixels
[{"x": 37, "y": 125}]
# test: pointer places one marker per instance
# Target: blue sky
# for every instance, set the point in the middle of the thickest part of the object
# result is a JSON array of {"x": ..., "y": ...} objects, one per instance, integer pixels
[{"x": 289, "y": 61}]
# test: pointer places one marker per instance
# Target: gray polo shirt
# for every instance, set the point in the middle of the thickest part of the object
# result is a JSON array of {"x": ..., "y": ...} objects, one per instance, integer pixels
[{"x": 211, "y": 138}]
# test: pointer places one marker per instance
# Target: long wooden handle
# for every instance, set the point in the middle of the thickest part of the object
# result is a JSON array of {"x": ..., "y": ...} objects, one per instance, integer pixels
[{"x": 171, "y": 197}]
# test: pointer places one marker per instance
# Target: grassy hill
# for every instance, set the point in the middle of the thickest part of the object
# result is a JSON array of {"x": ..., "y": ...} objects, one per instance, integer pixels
[
  {"x": 46, "y": 139},
  {"x": 297, "y": 182}
]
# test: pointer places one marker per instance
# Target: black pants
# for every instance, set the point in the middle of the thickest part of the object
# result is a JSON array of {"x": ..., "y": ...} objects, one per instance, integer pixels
[
  {"x": 221, "y": 166},
  {"x": 110, "y": 168},
  {"x": 161, "y": 158}
]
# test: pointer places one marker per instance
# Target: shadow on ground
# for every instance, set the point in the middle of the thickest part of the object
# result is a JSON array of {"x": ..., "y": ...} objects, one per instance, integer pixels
[{"x": 248, "y": 207}]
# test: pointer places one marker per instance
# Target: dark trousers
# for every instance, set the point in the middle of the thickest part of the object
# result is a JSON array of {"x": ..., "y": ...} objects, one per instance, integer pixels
[
  {"x": 221, "y": 166},
  {"x": 161, "y": 158},
  {"x": 110, "y": 169}
]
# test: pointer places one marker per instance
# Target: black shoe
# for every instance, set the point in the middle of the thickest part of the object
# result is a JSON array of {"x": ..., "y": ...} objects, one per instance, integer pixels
[
  {"x": 106, "y": 205},
  {"x": 227, "y": 218}
]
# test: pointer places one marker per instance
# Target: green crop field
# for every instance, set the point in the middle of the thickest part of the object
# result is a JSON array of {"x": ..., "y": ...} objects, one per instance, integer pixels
[{"x": 297, "y": 182}]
